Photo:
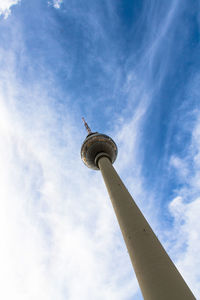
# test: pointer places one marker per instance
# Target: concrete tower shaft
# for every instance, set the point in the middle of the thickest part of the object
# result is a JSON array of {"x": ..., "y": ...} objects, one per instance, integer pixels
[{"x": 157, "y": 275}]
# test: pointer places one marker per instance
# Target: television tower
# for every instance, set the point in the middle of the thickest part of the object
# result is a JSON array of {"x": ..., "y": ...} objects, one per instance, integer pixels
[{"x": 158, "y": 277}]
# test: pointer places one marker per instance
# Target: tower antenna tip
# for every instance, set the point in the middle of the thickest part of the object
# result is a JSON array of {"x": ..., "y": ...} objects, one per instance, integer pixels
[{"x": 86, "y": 126}]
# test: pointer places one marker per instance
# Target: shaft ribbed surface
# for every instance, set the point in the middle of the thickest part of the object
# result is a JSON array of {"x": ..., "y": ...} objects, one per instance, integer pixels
[{"x": 157, "y": 275}]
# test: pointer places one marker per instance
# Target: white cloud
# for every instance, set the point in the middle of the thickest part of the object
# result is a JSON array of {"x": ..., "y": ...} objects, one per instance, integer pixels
[
  {"x": 186, "y": 233},
  {"x": 180, "y": 166},
  {"x": 56, "y": 3},
  {"x": 5, "y": 7},
  {"x": 185, "y": 208},
  {"x": 58, "y": 228}
]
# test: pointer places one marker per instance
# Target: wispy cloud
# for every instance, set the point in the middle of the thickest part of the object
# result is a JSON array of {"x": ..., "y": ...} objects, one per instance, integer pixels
[
  {"x": 185, "y": 206},
  {"x": 56, "y": 3},
  {"x": 5, "y": 7},
  {"x": 54, "y": 212}
]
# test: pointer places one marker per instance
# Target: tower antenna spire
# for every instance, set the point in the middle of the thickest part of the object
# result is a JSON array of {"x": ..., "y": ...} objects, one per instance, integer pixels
[{"x": 86, "y": 126}]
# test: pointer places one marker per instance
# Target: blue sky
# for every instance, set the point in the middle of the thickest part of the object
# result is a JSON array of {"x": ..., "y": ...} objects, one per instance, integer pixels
[{"x": 132, "y": 69}]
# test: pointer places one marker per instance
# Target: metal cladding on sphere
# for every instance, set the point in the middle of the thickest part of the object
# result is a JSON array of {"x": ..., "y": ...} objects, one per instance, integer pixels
[{"x": 95, "y": 146}]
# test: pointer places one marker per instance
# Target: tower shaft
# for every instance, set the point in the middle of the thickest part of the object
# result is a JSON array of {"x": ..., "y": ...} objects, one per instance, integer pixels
[{"x": 157, "y": 275}]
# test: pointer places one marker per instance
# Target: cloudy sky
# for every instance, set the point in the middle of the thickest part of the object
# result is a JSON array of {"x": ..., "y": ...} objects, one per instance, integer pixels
[{"x": 132, "y": 69}]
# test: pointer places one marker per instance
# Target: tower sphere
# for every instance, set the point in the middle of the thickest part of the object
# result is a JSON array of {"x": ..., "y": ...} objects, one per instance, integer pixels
[{"x": 97, "y": 145}]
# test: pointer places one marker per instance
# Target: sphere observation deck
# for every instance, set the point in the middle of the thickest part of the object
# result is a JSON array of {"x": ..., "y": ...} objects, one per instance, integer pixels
[{"x": 95, "y": 146}]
